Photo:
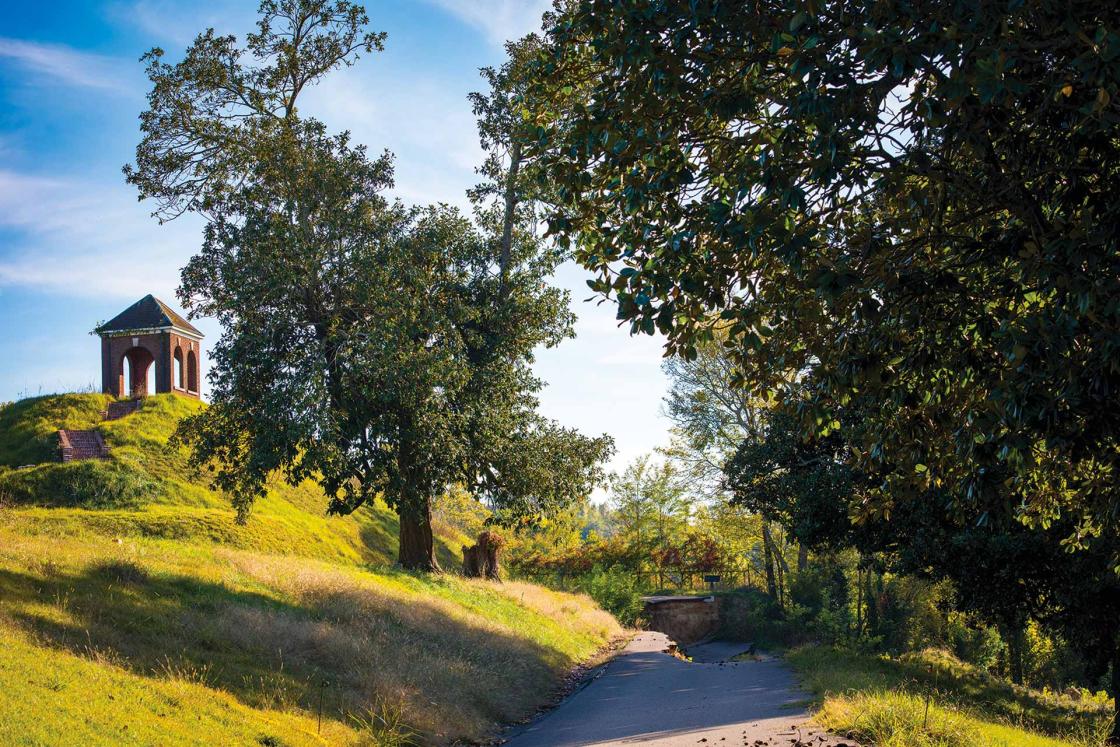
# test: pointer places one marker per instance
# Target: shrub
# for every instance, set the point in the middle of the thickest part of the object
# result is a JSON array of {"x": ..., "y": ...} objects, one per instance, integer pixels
[
  {"x": 979, "y": 645},
  {"x": 615, "y": 590},
  {"x": 751, "y": 615},
  {"x": 92, "y": 483}
]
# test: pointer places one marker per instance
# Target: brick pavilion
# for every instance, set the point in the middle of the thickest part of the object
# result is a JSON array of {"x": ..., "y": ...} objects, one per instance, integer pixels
[{"x": 150, "y": 332}]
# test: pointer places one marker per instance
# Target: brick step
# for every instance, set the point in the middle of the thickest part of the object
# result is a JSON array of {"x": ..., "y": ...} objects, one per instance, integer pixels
[
  {"x": 124, "y": 407},
  {"x": 73, "y": 445}
]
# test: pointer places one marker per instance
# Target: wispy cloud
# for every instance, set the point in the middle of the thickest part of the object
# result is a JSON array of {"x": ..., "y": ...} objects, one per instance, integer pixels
[
  {"x": 177, "y": 23},
  {"x": 500, "y": 20},
  {"x": 69, "y": 66},
  {"x": 86, "y": 239},
  {"x": 425, "y": 122}
]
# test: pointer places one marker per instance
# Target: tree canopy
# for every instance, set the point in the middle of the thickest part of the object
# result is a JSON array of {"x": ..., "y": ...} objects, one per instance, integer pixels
[
  {"x": 908, "y": 205},
  {"x": 382, "y": 350},
  {"x": 901, "y": 215}
]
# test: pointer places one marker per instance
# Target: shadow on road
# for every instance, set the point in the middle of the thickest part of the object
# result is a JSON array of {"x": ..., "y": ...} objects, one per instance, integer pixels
[{"x": 645, "y": 695}]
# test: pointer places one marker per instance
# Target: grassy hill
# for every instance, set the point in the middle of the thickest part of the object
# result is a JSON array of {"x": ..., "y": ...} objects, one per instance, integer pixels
[
  {"x": 133, "y": 609},
  {"x": 146, "y": 489}
]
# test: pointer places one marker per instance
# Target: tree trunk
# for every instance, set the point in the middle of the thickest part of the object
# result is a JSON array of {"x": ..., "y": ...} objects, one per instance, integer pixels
[
  {"x": 1114, "y": 735},
  {"x": 1014, "y": 635},
  {"x": 660, "y": 549},
  {"x": 768, "y": 556},
  {"x": 783, "y": 568},
  {"x": 481, "y": 559},
  {"x": 417, "y": 548},
  {"x": 874, "y": 587},
  {"x": 802, "y": 557},
  {"x": 859, "y": 602},
  {"x": 509, "y": 217}
]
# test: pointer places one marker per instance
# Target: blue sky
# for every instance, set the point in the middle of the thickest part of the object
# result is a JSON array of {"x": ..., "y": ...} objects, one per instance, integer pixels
[{"x": 76, "y": 247}]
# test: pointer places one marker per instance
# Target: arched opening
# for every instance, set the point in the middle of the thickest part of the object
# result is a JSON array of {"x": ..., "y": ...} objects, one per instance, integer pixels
[
  {"x": 180, "y": 371},
  {"x": 192, "y": 372},
  {"x": 137, "y": 373}
]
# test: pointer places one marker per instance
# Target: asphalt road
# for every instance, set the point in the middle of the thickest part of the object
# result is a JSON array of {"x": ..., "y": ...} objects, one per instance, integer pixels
[{"x": 647, "y": 696}]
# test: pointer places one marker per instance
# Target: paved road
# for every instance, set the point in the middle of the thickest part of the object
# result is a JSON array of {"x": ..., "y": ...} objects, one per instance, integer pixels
[{"x": 646, "y": 696}]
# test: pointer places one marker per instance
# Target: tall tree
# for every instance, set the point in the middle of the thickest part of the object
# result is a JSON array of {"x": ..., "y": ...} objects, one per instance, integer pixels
[
  {"x": 910, "y": 203},
  {"x": 375, "y": 348},
  {"x": 650, "y": 508},
  {"x": 914, "y": 200},
  {"x": 711, "y": 416},
  {"x": 804, "y": 485}
]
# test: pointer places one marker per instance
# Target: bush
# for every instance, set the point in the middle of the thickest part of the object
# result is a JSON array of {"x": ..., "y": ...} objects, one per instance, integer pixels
[
  {"x": 615, "y": 590},
  {"x": 90, "y": 483},
  {"x": 979, "y": 645},
  {"x": 751, "y": 615}
]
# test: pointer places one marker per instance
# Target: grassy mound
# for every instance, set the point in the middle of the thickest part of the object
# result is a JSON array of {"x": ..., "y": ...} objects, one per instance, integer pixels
[
  {"x": 931, "y": 699},
  {"x": 28, "y": 428},
  {"x": 133, "y": 609},
  {"x": 147, "y": 489}
]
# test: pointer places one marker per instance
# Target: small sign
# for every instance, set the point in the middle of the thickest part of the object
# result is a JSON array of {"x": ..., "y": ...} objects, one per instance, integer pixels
[{"x": 711, "y": 579}]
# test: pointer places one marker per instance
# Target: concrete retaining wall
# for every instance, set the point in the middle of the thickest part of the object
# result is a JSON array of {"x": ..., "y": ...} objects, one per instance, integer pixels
[{"x": 684, "y": 619}]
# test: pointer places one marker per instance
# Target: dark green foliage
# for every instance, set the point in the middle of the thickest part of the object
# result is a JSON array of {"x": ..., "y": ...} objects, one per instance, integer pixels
[
  {"x": 911, "y": 204},
  {"x": 381, "y": 350},
  {"x": 823, "y": 585},
  {"x": 906, "y": 209},
  {"x": 804, "y": 485},
  {"x": 754, "y": 616}
]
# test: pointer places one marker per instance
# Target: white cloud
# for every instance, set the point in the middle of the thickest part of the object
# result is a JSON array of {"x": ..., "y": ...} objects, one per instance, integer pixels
[
  {"x": 500, "y": 20},
  {"x": 87, "y": 239},
  {"x": 177, "y": 23},
  {"x": 427, "y": 124},
  {"x": 69, "y": 66}
]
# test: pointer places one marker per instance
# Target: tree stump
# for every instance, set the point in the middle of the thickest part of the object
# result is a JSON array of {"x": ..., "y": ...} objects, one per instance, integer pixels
[{"x": 481, "y": 559}]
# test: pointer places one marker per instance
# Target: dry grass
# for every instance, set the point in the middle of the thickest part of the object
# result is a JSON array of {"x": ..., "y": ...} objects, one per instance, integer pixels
[
  {"x": 413, "y": 639},
  {"x": 443, "y": 657}
]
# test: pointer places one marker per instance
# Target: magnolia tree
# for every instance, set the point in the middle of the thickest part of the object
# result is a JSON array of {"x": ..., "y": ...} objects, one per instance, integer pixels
[
  {"x": 907, "y": 208},
  {"x": 382, "y": 350}
]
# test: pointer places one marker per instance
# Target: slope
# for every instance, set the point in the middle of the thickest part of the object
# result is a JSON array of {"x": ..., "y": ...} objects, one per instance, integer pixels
[{"x": 133, "y": 609}]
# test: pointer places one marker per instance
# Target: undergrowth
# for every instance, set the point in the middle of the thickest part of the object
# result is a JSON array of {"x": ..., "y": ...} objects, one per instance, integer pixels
[{"x": 931, "y": 699}]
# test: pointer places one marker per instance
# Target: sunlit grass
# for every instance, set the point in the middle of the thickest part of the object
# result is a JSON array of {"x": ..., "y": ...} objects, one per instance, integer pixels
[
  {"x": 931, "y": 699},
  {"x": 454, "y": 657},
  {"x": 147, "y": 489},
  {"x": 53, "y": 696},
  {"x": 134, "y": 609},
  {"x": 28, "y": 428}
]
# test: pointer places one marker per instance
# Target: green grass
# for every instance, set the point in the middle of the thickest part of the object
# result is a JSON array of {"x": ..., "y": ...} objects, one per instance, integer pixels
[
  {"x": 883, "y": 701},
  {"x": 28, "y": 428},
  {"x": 120, "y": 707},
  {"x": 147, "y": 489},
  {"x": 133, "y": 609}
]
